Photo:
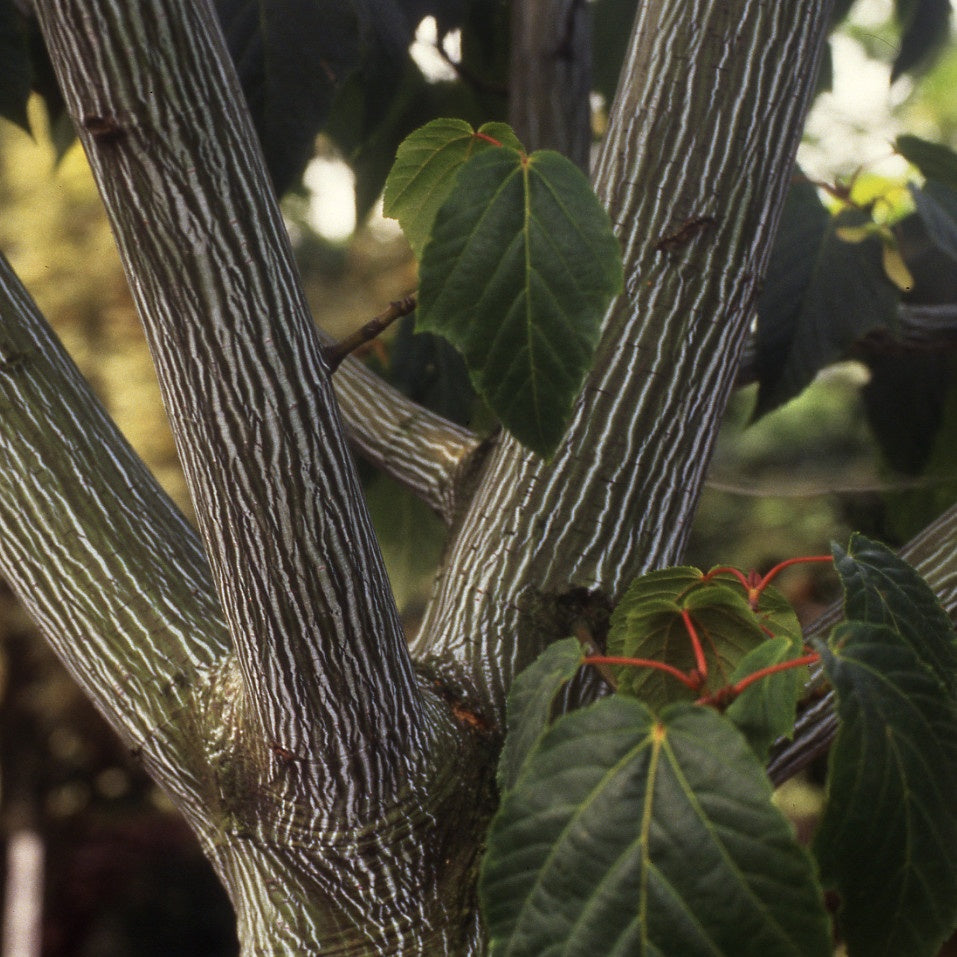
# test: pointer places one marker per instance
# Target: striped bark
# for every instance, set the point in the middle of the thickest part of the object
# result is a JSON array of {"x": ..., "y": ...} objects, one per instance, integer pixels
[
  {"x": 697, "y": 160},
  {"x": 336, "y": 793},
  {"x": 337, "y": 798}
]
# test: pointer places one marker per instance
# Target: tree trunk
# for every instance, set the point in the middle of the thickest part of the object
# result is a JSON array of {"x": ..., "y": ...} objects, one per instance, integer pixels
[{"x": 340, "y": 790}]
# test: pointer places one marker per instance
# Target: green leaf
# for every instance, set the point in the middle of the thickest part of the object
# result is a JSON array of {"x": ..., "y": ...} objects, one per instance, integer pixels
[
  {"x": 776, "y": 615},
  {"x": 821, "y": 295},
  {"x": 519, "y": 271},
  {"x": 925, "y": 31},
  {"x": 628, "y": 834},
  {"x": 15, "y": 71},
  {"x": 882, "y": 589},
  {"x": 765, "y": 711},
  {"x": 934, "y": 160},
  {"x": 936, "y": 205},
  {"x": 425, "y": 170},
  {"x": 890, "y": 823},
  {"x": 647, "y": 623},
  {"x": 530, "y": 703}
]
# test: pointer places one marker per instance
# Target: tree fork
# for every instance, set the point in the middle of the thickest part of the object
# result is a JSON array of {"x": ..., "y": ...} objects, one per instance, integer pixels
[{"x": 725, "y": 87}]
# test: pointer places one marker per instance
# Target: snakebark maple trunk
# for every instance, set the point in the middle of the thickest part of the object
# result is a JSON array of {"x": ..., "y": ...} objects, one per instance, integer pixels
[{"x": 339, "y": 784}]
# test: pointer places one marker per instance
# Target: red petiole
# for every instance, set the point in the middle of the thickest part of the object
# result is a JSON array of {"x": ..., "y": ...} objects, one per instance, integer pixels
[
  {"x": 686, "y": 680},
  {"x": 754, "y": 584}
]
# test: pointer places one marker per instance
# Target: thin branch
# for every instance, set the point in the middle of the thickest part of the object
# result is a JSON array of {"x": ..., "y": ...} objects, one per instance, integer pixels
[
  {"x": 334, "y": 354},
  {"x": 421, "y": 450},
  {"x": 100, "y": 557}
]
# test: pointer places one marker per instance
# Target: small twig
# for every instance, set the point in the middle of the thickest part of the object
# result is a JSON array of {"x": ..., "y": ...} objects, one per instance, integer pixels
[
  {"x": 483, "y": 86},
  {"x": 335, "y": 353}
]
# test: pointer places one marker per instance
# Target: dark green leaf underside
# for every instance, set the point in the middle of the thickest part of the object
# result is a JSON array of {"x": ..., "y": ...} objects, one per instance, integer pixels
[{"x": 890, "y": 826}]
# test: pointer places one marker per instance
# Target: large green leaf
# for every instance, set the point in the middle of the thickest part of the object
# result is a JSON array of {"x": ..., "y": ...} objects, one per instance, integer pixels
[
  {"x": 425, "y": 170},
  {"x": 934, "y": 160},
  {"x": 628, "y": 834},
  {"x": 530, "y": 703},
  {"x": 925, "y": 30},
  {"x": 936, "y": 205},
  {"x": 821, "y": 294},
  {"x": 15, "y": 71},
  {"x": 518, "y": 273},
  {"x": 882, "y": 589},
  {"x": 647, "y": 623},
  {"x": 889, "y": 830}
]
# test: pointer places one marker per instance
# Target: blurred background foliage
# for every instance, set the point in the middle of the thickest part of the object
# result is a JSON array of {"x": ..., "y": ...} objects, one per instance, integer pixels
[{"x": 123, "y": 875}]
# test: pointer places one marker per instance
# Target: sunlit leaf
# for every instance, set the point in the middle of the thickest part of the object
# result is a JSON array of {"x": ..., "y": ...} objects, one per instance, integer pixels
[
  {"x": 518, "y": 273},
  {"x": 630, "y": 834},
  {"x": 895, "y": 268},
  {"x": 425, "y": 169}
]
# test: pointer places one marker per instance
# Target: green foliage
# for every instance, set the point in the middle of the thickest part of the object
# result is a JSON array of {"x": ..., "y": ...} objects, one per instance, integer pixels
[
  {"x": 426, "y": 167},
  {"x": 925, "y": 28},
  {"x": 625, "y": 830},
  {"x": 934, "y": 160},
  {"x": 520, "y": 265},
  {"x": 887, "y": 837},
  {"x": 648, "y": 623},
  {"x": 936, "y": 205},
  {"x": 765, "y": 710},
  {"x": 646, "y": 826},
  {"x": 531, "y": 703},
  {"x": 821, "y": 294},
  {"x": 881, "y": 589}
]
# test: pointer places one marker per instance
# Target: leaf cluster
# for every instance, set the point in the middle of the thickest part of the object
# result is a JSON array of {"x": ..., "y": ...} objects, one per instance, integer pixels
[{"x": 644, "y": 823}]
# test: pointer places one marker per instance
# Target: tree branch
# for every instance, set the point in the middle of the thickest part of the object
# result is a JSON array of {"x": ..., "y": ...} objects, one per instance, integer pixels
[
  {"x": 337, "y": 351},
  {"x": 97, "y": 553},
  {"x": 421, "y": 450},
  {"x": 550, "y": 77},
  {"x": 294, "y": 560},
  {"x": 725, "y": 88}
]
